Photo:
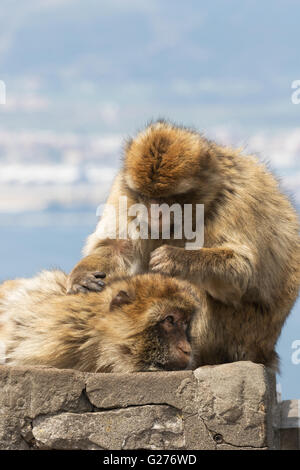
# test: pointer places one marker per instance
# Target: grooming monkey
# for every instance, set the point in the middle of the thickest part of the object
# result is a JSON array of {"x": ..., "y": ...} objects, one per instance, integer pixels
[
  {"x": 250, "y": 260},
  {"x": 136, "y": 324}
]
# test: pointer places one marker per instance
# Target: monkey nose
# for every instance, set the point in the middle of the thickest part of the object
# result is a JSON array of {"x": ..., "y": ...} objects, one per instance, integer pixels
[
  {"x": 154, "y": 201},
  {"x": 185, "y": 347}
]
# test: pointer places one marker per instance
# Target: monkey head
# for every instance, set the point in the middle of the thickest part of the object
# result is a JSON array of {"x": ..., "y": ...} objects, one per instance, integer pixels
[
  {"x": 165, "y": 160},
  {"x": 156, "y": 313}
]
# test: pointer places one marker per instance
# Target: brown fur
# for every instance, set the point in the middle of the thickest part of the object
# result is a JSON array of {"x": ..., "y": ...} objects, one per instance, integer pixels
[
  {"x": 125, "y": 328},
  {"x": 249, "y": 266}
]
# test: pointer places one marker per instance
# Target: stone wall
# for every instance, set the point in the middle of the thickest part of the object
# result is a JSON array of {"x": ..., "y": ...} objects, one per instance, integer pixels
[
  {"x": 231, "y": 406},
  {"x": 290, "y": 425}
]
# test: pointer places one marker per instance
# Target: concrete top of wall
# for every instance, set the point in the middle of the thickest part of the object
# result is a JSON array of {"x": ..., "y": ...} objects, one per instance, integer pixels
[{"x": 231, "y": 406}]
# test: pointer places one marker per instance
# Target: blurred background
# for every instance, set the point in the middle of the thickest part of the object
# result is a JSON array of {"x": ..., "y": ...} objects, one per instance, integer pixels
[{"x": 81, "y": 76}]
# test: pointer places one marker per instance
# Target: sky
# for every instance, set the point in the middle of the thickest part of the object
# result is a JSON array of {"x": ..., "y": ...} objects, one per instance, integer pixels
[
  {"x": 82, "y": 76},
  {"x": 76, "y": 72}
]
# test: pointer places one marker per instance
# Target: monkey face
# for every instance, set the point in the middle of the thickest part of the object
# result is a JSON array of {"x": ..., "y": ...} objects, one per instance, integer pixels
[
  {"x": 166, "y": 344},
  {"x": 156, "y": 313},
  {"x": 173, "y": 348}
]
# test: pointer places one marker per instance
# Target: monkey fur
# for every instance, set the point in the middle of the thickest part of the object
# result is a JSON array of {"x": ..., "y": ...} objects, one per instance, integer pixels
[
  {"x": 249, "y": 265},
  {"x": 135, "y": 324}
]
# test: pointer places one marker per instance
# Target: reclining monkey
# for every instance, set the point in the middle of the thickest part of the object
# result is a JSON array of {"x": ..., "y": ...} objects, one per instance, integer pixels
[{"x": 137, "y": 323}]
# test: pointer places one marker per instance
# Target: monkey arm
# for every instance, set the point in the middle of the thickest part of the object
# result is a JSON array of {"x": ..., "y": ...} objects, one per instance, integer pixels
[
  {"x": 86, "y": 275},
  {"x": 110, "y": 257},
  {"x": 224, "y": 272},
  {"x": 104, "y": 252}
]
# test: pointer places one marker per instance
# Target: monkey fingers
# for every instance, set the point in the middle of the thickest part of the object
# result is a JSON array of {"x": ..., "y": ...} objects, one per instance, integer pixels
[
  {"x": 86, "y": 282},
  {"x": 163, "y": 260}
]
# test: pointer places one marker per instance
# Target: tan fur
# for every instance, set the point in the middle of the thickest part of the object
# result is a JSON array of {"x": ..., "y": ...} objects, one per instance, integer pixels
[
  {"x": 251, "y": 255},
  {"x": 41, "y": 325}
]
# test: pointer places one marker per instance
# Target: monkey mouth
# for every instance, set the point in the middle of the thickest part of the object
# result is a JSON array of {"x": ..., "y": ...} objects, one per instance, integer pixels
[
  {"x": 161, "y": 366},
  {"x": 171, "y": 366},
  {"x": 154, "y": 368}
]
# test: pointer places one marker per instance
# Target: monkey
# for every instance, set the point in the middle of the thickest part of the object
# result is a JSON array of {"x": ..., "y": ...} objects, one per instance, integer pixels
[
  {"x": 138, "y": 323},
  {"x": 249, "y": 263},
  {"x": 146, "y": 322}
]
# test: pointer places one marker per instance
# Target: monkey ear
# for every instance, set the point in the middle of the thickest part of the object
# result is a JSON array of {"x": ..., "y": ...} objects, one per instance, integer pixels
[{"x": 122, "y": 298}]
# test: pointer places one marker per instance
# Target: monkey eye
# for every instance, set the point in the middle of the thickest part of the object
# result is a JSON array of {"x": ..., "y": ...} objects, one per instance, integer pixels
[{"x": 170, "y": 319}]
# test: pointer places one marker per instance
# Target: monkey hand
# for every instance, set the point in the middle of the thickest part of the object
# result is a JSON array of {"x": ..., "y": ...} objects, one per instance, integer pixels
[
  {"x": 82, "y": 281},
  {"x": 163, "y": 260}
]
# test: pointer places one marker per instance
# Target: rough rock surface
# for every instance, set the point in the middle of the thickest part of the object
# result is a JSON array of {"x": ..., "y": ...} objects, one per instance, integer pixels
[{"x": 230, "y": 406}]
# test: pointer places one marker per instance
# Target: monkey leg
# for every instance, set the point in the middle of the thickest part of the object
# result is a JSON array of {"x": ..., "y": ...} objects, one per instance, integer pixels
[
  {"x": 222, "y": 333},
  {"x": 223, "y": 272}
]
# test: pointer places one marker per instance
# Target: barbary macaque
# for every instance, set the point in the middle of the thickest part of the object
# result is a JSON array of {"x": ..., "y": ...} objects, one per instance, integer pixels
[
  {"x": 145, "y": 322},
  {"x": 249, "y": 261},
  {"x": 138, "y": 323}
]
